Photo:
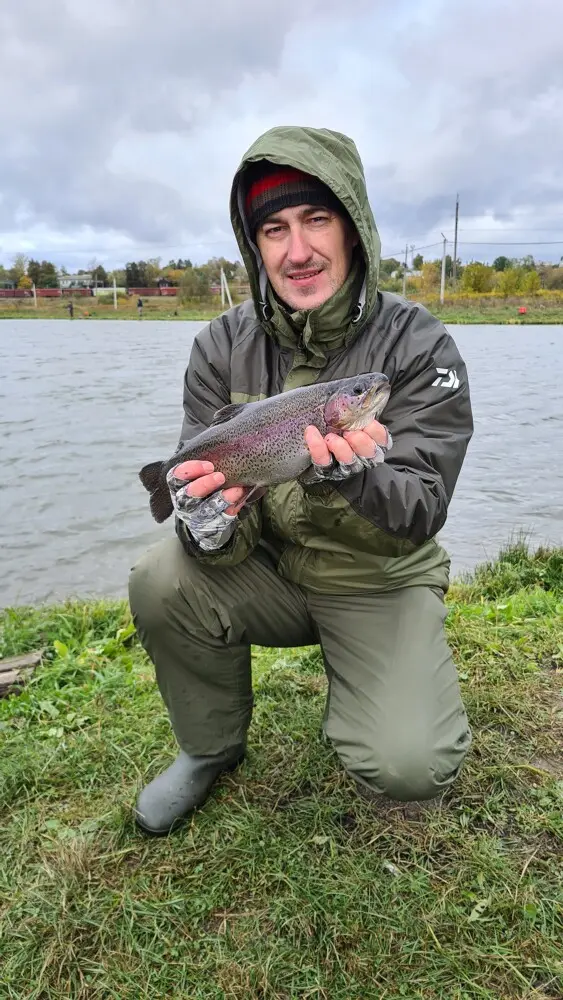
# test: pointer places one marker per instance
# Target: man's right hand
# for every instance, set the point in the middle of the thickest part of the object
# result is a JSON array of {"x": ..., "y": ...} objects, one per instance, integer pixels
[{"x": 204, "y": 480}]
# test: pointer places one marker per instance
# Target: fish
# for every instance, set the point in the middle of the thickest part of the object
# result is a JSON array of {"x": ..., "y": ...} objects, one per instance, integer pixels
[{"x": 262, "y": 444}]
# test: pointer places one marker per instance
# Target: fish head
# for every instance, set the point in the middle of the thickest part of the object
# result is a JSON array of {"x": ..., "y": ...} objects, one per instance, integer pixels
[{"x": 356, "y": 401}]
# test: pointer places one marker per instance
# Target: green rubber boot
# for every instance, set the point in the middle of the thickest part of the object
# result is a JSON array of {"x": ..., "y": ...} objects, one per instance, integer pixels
[{"x": 183, "y": 787}]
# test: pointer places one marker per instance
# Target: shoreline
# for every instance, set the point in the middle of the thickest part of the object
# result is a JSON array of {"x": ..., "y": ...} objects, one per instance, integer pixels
[
  {"x": 541, "y": 310},
  {"x": 208, "y": 317}
]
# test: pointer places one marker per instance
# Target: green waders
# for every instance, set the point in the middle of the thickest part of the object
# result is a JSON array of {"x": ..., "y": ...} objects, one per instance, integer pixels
[{"x": 394, "y": 712}]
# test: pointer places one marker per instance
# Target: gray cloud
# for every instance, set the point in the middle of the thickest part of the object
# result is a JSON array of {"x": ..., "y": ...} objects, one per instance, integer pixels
[{"x": 127, "y": 119}]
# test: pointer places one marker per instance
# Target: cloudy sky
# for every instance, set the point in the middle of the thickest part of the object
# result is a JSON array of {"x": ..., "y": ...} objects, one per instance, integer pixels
[{"x": 124, "y": 120}]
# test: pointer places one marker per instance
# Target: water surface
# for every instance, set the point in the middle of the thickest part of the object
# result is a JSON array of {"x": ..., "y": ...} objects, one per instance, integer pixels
[{"x": 84, "y": 404}]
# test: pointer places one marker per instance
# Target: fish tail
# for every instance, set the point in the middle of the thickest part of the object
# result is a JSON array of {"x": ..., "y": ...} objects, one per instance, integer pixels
[{"x": 153, "y": 479}]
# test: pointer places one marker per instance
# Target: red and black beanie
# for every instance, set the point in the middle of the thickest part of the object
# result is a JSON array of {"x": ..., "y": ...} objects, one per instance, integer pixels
[{"x": 270, "y": 187}]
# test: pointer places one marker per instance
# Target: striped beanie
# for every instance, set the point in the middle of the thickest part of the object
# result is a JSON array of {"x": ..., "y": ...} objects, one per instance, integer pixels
[{"x": 270, "y": 187}]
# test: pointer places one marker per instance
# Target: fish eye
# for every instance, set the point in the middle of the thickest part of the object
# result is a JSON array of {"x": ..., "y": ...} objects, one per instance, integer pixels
[{"x": 358, "y": 390}]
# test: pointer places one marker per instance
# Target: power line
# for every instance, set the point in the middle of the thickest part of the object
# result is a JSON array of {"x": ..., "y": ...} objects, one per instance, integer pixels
[
  {"x": 427, "y": 246},
  {"x": 514, "y": 243},
  {"x": 482, "y": 243}
]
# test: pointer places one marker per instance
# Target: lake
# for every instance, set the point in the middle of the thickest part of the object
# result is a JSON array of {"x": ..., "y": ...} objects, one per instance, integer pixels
[{"x": 84, "y": 404}]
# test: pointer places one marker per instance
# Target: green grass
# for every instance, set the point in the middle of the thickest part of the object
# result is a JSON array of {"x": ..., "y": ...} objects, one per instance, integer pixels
[
  {"x": 288, "y": 884},
  {"x": 540, "y": 310},
  {"x": 154, "y": 308}
]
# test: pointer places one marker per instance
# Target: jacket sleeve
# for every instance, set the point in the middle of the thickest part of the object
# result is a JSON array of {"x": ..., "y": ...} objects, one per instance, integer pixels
[
  {"x": 430, "y": 418},
  {"x": 206, "y": 390}
]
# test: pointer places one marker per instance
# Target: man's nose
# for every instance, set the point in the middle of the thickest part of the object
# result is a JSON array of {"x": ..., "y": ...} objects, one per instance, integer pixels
[{"x": 298, "y": 251}]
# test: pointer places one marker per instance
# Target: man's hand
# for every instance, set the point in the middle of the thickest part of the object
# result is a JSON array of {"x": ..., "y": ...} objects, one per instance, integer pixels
[
  {"x": 344, "y": 449},
  {"x": 204, "y": 480},
  {"x": 209, "y": 515}
]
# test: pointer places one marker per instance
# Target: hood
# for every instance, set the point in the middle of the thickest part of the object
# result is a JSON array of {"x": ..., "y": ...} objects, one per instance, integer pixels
[{"x": 333, "y": 158}]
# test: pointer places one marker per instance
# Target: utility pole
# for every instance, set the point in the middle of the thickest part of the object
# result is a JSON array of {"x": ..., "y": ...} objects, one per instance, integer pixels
[
  {"x": 443, "y": 281},
  {"x": 225, "y": 290},
  {"x": 114, "y": 293},
  {"x": 405, "y": 272},
  {"x": 454, "y": 262},
  {"x": 34, "y": 296}
]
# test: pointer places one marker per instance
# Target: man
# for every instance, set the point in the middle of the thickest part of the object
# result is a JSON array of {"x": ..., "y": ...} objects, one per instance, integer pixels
[{"x": 348, "y": 560}]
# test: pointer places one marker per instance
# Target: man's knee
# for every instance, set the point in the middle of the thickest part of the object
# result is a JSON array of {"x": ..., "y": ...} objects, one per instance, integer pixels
[
  {"x": 406, "y": 771},
  {"x": 154, "y": 587}
]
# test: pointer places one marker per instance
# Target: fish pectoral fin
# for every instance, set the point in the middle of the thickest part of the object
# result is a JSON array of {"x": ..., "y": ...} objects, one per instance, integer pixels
[
  {"x": 227, "y": 413},
  {"x": 150, "y": 475},
  {"x": 254, "y": 494}
]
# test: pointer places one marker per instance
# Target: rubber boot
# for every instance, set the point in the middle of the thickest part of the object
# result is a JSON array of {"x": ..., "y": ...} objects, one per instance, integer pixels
[{"x": 183, "y": 787}]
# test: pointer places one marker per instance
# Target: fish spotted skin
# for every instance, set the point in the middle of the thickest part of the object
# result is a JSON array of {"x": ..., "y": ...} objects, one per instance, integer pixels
[{"x": 263, "y": 444}]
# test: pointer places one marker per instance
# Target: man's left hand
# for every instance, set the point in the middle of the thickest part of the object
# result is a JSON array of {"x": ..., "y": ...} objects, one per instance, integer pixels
[{"x": 344, "y": 448}]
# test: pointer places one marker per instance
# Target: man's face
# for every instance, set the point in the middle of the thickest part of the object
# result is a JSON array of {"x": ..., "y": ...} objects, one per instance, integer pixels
[{"x": 307, "y": 254}]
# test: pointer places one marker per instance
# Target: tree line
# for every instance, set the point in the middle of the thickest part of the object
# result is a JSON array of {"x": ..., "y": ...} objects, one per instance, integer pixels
[
  {"x": 506, "y": 275},
  {"x": 194, "y": 281}
]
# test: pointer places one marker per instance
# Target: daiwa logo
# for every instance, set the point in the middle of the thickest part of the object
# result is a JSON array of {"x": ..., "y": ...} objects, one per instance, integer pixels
[{"x": 450, "y": 382}]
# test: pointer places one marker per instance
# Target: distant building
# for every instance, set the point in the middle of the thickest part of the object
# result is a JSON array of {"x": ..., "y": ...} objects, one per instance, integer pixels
[
  {"x": 75, "y": 280},
  {"x": 7, "y": 284}
]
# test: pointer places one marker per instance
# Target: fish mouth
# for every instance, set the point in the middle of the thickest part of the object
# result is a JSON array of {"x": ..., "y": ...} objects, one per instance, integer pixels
[
  {"x": 370, "y": 406},
  {"x": 375, "y": 399}
]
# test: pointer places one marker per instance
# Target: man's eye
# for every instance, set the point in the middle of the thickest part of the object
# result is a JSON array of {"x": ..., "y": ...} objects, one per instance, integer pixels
[
  {"x": 273, "y": 230},
  {"x": 318, "y": 218}
]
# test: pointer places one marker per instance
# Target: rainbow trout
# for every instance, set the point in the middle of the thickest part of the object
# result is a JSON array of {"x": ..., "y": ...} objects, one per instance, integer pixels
[{"x": 262, "y": 444}]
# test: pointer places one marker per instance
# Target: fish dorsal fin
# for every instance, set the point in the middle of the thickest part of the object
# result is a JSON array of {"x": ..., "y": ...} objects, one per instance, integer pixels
[{"x": 227, "y": 413}]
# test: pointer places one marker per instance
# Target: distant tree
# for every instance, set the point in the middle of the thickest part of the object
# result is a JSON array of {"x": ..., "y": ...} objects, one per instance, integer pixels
[
  {"x": 194, "y": 284},
  {"x": 179, "y": 265},
  {"x": 417, "y": 262},
  {"x": 119, "y": 275},
  {"x": 552, "y": 278},
  {"x": 531, "y": 283},
  {"x": 18, "y": 268},
  {"x": 528, "y": 263},
  {"x": 213, "y": 269},
  {"x": 99, "y": 276},
  {"x": 135, "y": 274},
  {"x": 48, "y": 275},
  {"x": 477, "y": 277},
  {"x": 25, "y": 282},
  {"x": 388, "y": 266},
  {"x": 509, "y": 281},
  {"x": 143, "y": 273},
  {"x": 34, "y": 271},
  {"x": 431, "y": 275},
  {"x": 239, "y": 272},
  {"x": 501, "y": 263},
  {"x": 173, "y": 275},
  {"x": 153, "y": 272},
  {"x": 450, "y": 266}
]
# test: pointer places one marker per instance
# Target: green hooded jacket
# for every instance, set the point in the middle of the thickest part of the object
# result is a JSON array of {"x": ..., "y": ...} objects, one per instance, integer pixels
[{"x": 375, "y": 531}]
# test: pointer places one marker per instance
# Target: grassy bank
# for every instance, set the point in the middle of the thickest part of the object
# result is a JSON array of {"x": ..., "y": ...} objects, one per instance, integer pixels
[
  {"x": 157, "y": 308},
  {"x": 545, "y": 308},
  {"x": 288, "y": 884}
]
